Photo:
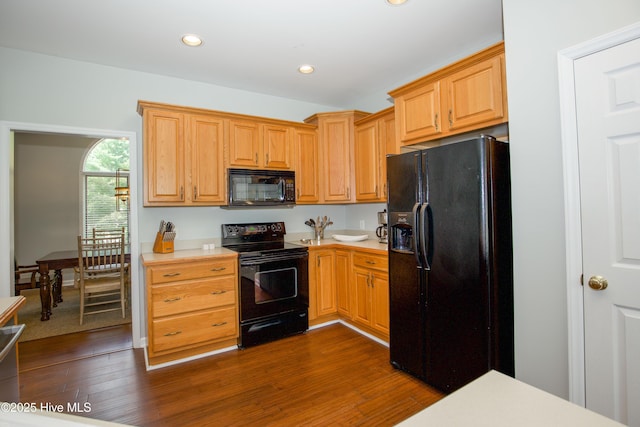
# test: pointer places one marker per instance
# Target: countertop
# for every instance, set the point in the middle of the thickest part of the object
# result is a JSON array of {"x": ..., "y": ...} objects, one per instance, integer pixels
[
  {"x": 369, "y": 244},
  {"x": 9, "y": 306},
  {"x": 150, "y": 258},
  {"x": 498, "y": 400}
]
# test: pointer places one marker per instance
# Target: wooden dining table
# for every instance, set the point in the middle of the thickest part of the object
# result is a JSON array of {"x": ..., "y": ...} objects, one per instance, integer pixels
[{"x": 51, "y": 291}]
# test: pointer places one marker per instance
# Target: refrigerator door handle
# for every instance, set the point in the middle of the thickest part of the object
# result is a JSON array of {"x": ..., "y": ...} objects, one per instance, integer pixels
[
  {"x": 424, "y": 236},
  {"x": 416, "y": 234}
]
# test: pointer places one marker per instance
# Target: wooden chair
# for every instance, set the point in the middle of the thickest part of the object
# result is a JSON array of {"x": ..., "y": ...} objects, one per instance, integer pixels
[
  {"x": 117, "y": 232},
  {"x": 101, "y": 274},
  {"x": 28, "y": 282},
  {"x": 101, "y": 233}
]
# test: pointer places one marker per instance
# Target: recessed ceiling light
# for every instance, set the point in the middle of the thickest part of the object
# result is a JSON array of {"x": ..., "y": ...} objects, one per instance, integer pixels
[
  {"x": 396, "y": 2},
  {"x": 191, "y": 40},
  {"x": 306, "y": 69}
]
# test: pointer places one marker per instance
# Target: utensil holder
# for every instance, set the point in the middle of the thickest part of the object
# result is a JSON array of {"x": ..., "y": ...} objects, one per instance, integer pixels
[{"x": 162, "y": 246}]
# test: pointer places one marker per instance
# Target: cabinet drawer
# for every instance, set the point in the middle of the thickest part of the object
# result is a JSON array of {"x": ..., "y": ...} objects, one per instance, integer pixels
[
  {"x": 367, "y": 260},
  {"x": 182, "y": 331},
  {"x": 187, "y": 271},
  {"x": 188, "y": 296}
]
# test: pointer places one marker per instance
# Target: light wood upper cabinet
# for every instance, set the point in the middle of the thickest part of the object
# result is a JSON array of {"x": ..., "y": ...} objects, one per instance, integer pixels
[
  {"x": 374, "y": 139},
  {"x": 418, "y": 113},
  {"x": 475, "y": 95},
  {"x": 277, "y": 146},
  {"x": 183, "y": 158},
  {"x": 307, "y": 166},
  {"x": 206, "y": 145},
  {"x": 164, "y": 160},
  {"x": 243, "y": 146},
  {"x": 469, "y": 94},
  {"x": 256, "y": 145},
  {"x": 336, "y": 136}
]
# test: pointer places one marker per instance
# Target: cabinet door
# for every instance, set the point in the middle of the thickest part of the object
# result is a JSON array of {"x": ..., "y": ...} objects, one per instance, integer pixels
[
  {"x": 164, "y": 157},
  {"x": 277, "y": 147},
  {"x": 207, "y": 162},
  {"x": 244, "y": 149},
  {"x": 389, "y": 145},
  {"x": 325, "y": 282},
  {"x": 307, "y": 166},
  {"x": 335, "y": 138},
  {"x": 362, "y": 296},
  {"x": 343, "y": 282},
  {"x": 367, "y": 162},
  {"x": 475, "y": 95},
  {"x": 418, "y": 113},
  {"x": 380, "y": 301}
]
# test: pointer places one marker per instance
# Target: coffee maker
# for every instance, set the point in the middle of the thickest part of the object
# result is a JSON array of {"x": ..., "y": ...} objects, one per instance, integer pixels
[{"x": 381, "y": 231}]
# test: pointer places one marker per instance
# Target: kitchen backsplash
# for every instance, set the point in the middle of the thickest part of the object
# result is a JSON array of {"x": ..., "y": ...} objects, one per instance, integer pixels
[{"x": 201, "y": 225}]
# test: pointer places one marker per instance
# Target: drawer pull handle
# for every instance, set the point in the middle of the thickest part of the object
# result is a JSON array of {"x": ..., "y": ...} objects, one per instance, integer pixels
[
  {"x": 221, "y": 291},
  {"x": 171, "y": 274},
  {"x": 219, "y": 324},
  {"x": 219, "y": 269},
  {"x": 370, "y": 262},
  {"x": 173, "y": 299},
  {"x": 171, "y": 334}
]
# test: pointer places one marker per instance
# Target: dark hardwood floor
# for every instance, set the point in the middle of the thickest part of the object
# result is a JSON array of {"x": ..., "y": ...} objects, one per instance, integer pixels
[{"x": 328, "y": 376}]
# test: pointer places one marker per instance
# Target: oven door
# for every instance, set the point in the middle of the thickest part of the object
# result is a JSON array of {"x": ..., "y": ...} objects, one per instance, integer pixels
[{"x": 273, "y": 284}]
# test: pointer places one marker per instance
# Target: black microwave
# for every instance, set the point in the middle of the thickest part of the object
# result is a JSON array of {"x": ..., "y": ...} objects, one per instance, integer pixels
[{"x": 261, "y": 188}]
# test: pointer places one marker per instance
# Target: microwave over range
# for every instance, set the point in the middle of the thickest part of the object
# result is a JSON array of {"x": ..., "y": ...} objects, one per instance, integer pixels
[{"x": 261, "y": 188}]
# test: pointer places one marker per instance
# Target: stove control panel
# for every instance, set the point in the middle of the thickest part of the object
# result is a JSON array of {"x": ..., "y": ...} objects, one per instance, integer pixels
[{"x": 263, "y": 231}]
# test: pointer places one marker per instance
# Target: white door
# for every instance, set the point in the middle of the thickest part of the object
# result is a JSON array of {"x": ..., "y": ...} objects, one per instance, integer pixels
[{"x": 608, "y": 121}]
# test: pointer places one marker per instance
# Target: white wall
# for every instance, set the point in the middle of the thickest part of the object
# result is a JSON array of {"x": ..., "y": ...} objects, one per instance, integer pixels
[
  {"x": 44, "y": 90},
  {"x": 534, "y": 33}
]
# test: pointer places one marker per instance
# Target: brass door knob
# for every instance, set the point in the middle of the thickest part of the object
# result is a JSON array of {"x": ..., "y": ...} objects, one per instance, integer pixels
[{"x": 598, "y": 283}]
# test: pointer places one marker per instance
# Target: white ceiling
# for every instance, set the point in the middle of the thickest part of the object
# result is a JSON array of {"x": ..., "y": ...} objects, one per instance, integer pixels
[{"x": 359, "y": 47}]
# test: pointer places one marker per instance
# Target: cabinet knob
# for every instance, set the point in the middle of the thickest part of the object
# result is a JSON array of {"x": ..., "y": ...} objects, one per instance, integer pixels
[
  {"x": 218, "y": 268},
  {"x": 219, "y": 292},
  {"x": 173, "y": 299},
  {"x": 219, "y": 324},
  {"x": 172, "y": 334}
]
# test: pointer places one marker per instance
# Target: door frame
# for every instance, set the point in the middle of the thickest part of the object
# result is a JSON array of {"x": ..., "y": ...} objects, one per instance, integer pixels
[
  {"x": 6, "y": 206},
  {"x": 573, "y": 224}
]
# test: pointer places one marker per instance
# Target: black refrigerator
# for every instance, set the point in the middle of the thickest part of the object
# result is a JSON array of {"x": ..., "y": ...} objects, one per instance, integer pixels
[{"x": 450, "y": 262}]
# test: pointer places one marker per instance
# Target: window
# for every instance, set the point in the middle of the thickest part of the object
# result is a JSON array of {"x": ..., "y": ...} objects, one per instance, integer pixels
[{"x": 106, "y": 158}]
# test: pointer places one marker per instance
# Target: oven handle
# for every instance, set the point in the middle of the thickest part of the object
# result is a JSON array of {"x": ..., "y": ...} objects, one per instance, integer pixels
[{"x": 271, "y": 258}]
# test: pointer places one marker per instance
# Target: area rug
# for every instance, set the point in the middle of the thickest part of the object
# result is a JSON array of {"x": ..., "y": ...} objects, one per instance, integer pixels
[{"x": 65, "y": 318}]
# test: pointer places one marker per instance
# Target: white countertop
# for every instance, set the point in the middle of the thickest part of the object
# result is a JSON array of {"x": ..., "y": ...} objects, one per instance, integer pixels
[
  {"x": 497, "y": 400},
  {"x": 36, "y": 418},
  {"x": 9, "y": 306},
  {"x": 328, "y": 241},
  {"x": 184, "y": 255}
]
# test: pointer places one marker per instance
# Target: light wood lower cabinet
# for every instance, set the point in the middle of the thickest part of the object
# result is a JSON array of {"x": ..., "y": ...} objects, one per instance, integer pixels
[
  {"x": 192, "y": 306},
  {"x": 352, "y": 285},
  {"x": 343, "y": 282},
  {"x": 371, "y": 293},
  {"x": 322, "y": 283}
]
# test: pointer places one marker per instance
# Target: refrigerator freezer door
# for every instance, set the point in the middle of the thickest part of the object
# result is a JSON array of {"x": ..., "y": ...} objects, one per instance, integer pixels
[{"x": 406, "y": 285}]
